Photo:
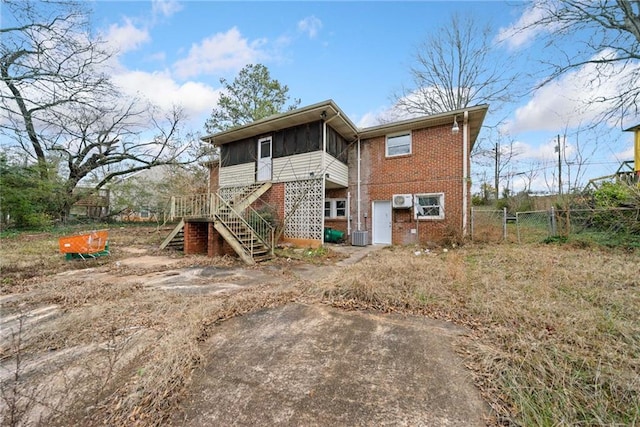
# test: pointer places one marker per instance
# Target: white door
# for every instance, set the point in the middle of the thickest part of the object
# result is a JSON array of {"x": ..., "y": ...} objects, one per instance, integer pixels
[
  {"x": 381, "y": 223},
  {"x": 264, "y": 159}
]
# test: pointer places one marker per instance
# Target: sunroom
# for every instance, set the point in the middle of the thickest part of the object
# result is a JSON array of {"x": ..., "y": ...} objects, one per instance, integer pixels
[{"x": 303, "y": 155}]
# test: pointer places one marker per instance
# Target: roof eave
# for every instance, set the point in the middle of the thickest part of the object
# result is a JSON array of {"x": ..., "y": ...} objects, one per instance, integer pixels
[
  {"x": 283, "y": 120},
  {"x": 477, "y": 114}
]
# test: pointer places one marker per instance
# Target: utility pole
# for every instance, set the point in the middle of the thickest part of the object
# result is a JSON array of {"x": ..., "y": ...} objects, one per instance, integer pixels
[
  {"x": 497, "y": 171},
  {"x": 558, "y": 150}
]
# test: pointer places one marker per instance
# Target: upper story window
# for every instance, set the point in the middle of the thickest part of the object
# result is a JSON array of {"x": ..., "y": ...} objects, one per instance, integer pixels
[{"x": 399, "y": 144}]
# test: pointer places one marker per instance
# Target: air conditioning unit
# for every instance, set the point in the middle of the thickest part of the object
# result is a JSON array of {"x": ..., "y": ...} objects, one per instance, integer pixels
[
  {"x": 359, "y": 238},
  {"x": 402, "y": 201}
]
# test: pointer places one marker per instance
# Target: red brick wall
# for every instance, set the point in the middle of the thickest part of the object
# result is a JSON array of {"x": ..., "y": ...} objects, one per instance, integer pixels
[
  {"x": 336, "y": 193},
  {"x": 273, "y": 199},
  {"x": 217, "y": 246},
  {"x": 195, "y": 237},
  {"x": 203, "y": 238},
  {"x": 434, "y": 166},
  {"x": 337, "y": 224}
]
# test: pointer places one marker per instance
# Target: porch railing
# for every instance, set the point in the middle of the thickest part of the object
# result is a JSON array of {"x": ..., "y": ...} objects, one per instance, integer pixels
[
  {"x": 192, "y": 206},
  {"x": 212, "y": 205}
]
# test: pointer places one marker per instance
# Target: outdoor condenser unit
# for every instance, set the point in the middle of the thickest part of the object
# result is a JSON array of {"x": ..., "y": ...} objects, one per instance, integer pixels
[
  {"x": 359, "y": 238},
  {"x": 402, "y": 201}
]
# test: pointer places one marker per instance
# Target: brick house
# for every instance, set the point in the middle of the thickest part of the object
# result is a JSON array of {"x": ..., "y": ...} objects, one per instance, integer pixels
[{"x": 311, "y": 169}]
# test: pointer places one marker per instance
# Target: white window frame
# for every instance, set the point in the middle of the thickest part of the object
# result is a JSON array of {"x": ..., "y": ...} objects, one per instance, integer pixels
[
  {"x": 396, "y": 135},
  {"x": 441, "y": 205},
  {"x": 145, "y": 212},
  {"x": 333, "y": 208}
]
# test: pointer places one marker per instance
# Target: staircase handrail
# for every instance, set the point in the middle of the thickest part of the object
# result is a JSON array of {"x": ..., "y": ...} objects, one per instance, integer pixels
[{"x": 221, "y": 202}]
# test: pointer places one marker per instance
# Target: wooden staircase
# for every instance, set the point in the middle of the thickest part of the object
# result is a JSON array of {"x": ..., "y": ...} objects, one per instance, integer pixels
[
  {"x": 250, "y": 236},
  {"x": 248, "y": 195},
  {"x": 245, "y": 240},
  {"x": 175, "y": 239}
]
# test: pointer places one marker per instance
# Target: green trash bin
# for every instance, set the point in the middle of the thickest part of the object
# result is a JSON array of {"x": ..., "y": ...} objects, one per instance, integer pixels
[{"x": 333, "y": 236}]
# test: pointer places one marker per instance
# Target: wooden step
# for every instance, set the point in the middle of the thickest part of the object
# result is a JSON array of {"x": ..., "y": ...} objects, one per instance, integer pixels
[{"x": 177, "y": 231}]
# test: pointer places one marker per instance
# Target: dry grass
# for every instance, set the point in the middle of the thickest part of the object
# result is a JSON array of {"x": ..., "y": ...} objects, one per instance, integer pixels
[
  {"x": 25, "y": 255},
  {"x": 555, "y": 331},
  {"x": 123, "y": 355},
  {"x": 114, "y": 352}
]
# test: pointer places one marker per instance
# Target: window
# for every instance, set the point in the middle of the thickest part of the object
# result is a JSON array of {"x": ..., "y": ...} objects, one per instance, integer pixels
[
  {"x": 429, "y": 206},
  {"x": 399, "y": 144},
  {"x": 265, "y": 148},
  {"x": 335, "y": 208}
]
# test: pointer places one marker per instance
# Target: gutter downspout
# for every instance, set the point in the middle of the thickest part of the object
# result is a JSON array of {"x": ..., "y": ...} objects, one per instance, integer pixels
[
  {"x": 465, "y": 172},
  {"x": 323, "y": 162},
  {"x": 358, "y": 198},
  {"x": 348, "y": 213},
  {"x": 324, "y": 149}
]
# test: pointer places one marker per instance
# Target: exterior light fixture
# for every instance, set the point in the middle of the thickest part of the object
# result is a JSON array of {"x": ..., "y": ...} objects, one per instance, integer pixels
[{"x": 455, "y": 129}]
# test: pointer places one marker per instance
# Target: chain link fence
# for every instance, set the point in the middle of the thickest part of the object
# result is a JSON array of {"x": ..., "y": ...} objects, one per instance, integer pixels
[
  {"x": 491, "y": 226},
  {"x": 487, "y": 225},
  {"x": 536, "y": 226},
  {"x": 533, "y": 226}
]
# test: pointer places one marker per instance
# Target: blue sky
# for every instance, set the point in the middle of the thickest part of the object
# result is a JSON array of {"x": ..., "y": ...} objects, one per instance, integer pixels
[{"x": 356, "y": 53}]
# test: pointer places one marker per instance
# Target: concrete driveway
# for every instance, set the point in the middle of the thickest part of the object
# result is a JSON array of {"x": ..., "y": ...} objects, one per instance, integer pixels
[{"x": 315, "y": 365}]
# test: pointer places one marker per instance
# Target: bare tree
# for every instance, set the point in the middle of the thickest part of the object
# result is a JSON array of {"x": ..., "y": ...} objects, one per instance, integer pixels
[
  {"x": 604, "y": 35},
  {"x": 456, "y": 67},
  {"x": 47, "y": 63},
  {"x": 101, "y": 144},
  {"x": 501, "y": 157},
  {"x": 58, "y": 105}
]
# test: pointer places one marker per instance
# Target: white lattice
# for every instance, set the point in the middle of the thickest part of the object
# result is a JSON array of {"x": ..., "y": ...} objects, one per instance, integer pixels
[
  {"x": 237, "y": 192},
  {"x": 303, "y": 208},
  {"x": 228, "y": 193}
]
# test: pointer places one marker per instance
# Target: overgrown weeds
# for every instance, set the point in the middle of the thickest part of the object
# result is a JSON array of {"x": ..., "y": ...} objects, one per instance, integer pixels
[
  {"x": 86, "y": 348},
  {"x": 24, "y": 255},
  {"x": 554, "y": 331}
]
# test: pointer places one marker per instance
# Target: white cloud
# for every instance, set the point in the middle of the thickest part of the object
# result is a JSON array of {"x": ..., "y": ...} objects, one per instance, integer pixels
[
  {"x": 310, "y": 25},
  {"x": 394, "y": 113},
  {"x": 160, "y": 89},
  {"x": 576, "y": 98},
  {"x": 383, "y": 115},
  {"x": 125, "y": 38},
  {"x": 158, "y": 56},
  {"x": 626, "y": 154},
  {"x": 542, "y": 152},
  {"x": 369, "y": 119},
  {"x": 218, "y": 53},
  {"x": 524, "y": 31},
  {"x": 165, "y": 8}
]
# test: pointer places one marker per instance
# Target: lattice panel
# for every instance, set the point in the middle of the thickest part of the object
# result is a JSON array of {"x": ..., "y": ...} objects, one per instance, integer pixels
[
  {"x": 228, "y": 193},
  {"x": 305, "y": 200}
]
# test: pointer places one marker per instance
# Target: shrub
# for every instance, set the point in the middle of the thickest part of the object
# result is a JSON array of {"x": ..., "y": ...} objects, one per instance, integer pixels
[{"x": 28, "y": 200}]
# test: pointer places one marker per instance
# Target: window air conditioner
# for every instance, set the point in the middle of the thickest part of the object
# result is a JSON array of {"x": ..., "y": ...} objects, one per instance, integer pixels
[{"x": 402, "y": 201}]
